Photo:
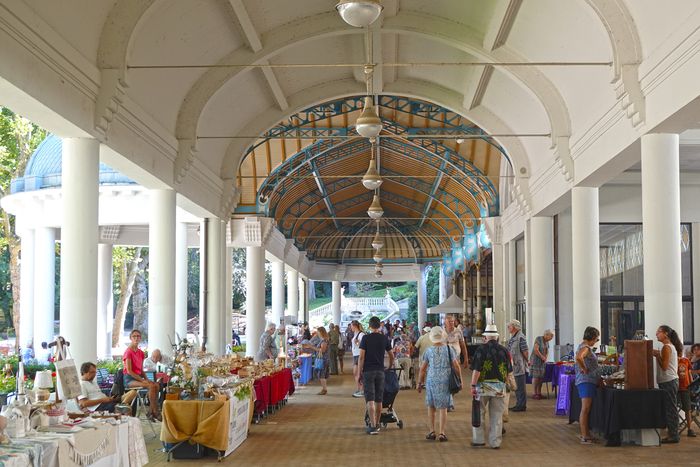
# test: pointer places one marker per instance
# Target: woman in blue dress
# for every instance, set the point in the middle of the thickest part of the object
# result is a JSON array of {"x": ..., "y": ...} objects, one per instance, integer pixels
[{"x": 435, "y": 372}]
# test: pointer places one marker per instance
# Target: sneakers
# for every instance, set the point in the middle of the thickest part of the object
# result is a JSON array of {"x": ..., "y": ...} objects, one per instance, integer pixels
[
  {"x": 372, "y": 430},
  {"x": 358, "y": 394},
  {"x": 692, "y": 434},
  {"x": 518, "y": 409},
  {"x": 585, "y": 440}
]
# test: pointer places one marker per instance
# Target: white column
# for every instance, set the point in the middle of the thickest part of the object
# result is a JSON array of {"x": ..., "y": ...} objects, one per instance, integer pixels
[
  {"x": 512, "y": 283},
  {"x": 203, "y": 228},
  {"x": 161, "y": 270},
  {"x": 44, "y": 284},
  {"x": 498, "y": 284},
  {"x": 422, "y": 298},
  {"x": 541, "y": 298},
  {"x": 216, "y": 322},
  {"x": 293, "y": 293},
  {"x": 585, "y": 259},
  {"x": 337, "y": 296},
  {"x": 255, "y": 298},
  {"x": 277, "y": 291},
  {"x": 26, "y": 277},
  {"x": 442, "y": 285},
  {"x": 661, "y": 218},
  {"x": 181, "y": 269},
  {"x": 228, "y": 295},
  {"x": 105, "y": 310},
  {"x": 303, "y": 312},
  {"x": 79, "y": 233}
]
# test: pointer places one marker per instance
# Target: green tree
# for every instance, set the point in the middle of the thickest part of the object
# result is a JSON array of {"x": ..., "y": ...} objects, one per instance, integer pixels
[{"x": 18, "y": 139}]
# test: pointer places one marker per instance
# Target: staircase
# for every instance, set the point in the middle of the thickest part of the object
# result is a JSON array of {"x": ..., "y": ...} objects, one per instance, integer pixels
[{"x": 354, "y": 308}]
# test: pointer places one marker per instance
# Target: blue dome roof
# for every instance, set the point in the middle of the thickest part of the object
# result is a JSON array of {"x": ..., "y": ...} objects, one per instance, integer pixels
[{"x": 44, "y": 169}]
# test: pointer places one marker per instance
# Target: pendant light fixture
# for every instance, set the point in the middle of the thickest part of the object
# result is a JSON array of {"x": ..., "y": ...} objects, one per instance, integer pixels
[
  {"x": 368, "y": 124},
  {"x": 375, "y": 210},
  {"x": 377, "y": 241},
  {"x": 372, "y": 180},
  {"x": 378, "y": 274},
  {"x": 378, "y": 258},
  {"x": 360, "y": 13}
]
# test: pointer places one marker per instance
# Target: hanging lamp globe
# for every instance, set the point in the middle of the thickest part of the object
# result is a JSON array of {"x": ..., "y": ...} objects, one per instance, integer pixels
[
  {"x": 372, "y": 180},
  {"x": 368, "y": 124},
  {"x": 377, "y": 242},
  {"x": 375, "y": 210},
  {"x": 378, "y": 267},
  {"x": 378, "y": 274},
  {"x": 359, "y": 13},
  {"x": 378, "y": 258}
]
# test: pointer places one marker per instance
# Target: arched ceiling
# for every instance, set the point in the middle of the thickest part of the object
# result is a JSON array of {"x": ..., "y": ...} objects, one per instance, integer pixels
[
  {"x": 305, "y": 172},
  {"x": 235, "y": 69}
]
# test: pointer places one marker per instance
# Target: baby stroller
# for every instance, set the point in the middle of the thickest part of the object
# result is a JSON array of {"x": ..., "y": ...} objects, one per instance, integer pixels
[
  {"x": 391, "y": 389},
  {"x": 694, "y": 416}
]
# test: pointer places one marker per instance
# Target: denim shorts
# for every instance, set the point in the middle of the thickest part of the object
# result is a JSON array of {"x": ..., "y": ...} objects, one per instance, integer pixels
[
  {"x": 373, "y": 384},
  {"x": 586, "y": 390}
]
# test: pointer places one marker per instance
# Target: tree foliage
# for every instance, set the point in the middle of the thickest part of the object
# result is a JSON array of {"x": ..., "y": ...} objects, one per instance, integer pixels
[{"x": 18, "y": 139}]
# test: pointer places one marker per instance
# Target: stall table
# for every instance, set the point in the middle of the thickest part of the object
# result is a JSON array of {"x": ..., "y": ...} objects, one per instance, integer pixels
[
  {"x": 615, "y": 410},
  {"x": 105, "y": 445},
  {"x": 305, "y": 369}
]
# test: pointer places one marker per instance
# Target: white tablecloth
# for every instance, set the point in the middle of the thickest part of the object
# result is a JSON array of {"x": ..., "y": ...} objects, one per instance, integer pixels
[{"x": 103, "y": 446}]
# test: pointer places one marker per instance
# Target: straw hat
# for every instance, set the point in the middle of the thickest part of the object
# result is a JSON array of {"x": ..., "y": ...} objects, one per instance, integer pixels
[{"x": 437, "y": 335}]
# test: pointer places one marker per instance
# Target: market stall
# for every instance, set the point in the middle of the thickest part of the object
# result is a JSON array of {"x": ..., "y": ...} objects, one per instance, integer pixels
[
  {"x": 615, "y": 410},
  {"x": 91, "y": 442}
]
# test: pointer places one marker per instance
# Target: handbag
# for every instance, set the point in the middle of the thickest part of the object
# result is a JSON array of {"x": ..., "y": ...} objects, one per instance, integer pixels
[
  {"x": 455, "y": 381},
  {"x": 319, "y": 364}
]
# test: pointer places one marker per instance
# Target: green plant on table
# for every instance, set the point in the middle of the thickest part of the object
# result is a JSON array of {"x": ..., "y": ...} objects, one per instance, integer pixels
[{"x": 8, "y": 384}]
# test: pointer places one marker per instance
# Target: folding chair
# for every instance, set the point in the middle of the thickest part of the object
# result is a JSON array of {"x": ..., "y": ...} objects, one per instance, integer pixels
[{"x": 138, "y": 404}]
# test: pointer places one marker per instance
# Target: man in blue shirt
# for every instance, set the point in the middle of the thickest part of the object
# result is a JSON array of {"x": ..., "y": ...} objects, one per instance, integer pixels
[{"x": 371, "y": 364}]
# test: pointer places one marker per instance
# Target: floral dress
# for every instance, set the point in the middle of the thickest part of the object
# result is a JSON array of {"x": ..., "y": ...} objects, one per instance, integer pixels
[
  {"x": 437, "y": 383},
  {"x": 537, "y": 365}
]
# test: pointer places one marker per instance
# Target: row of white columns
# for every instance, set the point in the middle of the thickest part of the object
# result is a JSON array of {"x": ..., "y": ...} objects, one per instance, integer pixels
[
  {"x": 86, "y": 269},
  {"x": 661, "y": 249},
  {"x": 255, "y": 297}
]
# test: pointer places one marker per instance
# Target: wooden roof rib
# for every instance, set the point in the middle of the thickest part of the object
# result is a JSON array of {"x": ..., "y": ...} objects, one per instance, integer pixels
[{"x": 428, "y": 197}]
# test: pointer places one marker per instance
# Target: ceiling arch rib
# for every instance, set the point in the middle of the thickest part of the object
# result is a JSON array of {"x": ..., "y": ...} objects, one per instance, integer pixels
[
  {"x": 319, "y": 26},
  {"x": 356, "y": 205},
  {"x": 331, "y": 153}
]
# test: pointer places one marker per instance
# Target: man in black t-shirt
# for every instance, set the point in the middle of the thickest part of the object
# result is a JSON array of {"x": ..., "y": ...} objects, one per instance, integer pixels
[{"x": 371, "y": 363}]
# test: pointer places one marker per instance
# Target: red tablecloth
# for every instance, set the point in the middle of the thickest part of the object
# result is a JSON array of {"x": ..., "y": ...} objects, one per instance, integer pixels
[
  {"x": 262, "y": 394},
  {"x": 271, "y": 390}
]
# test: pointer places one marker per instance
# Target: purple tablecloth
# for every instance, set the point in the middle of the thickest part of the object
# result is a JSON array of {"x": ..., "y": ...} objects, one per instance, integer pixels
[
  {"x": 559, "y": 370},
  {"x": 565, "y": 383},
  {"x": 548, "y": 374}
]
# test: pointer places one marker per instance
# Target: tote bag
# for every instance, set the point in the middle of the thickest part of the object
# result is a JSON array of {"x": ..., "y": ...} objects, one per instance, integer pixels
[{"x": 67, "y": 374}]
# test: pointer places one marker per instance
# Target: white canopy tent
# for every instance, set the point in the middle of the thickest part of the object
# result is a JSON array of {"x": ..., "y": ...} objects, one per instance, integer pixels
[{"x": 452, "y": 304}]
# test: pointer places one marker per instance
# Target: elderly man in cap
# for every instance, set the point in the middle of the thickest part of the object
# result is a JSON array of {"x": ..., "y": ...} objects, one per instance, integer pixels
[
  {"x": 517, "y": 346},
  {"x": 490, "y": 368}
]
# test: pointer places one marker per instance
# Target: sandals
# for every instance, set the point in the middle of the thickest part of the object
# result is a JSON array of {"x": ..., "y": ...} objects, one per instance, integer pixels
[
  {"x": 430, "y": 436},
  {"x": 584, "y": 440},
  {"x": 442, "y": 438}
]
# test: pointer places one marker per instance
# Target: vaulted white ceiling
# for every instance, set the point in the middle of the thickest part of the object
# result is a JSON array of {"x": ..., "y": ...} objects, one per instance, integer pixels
[{"x": 95, "y": 44}]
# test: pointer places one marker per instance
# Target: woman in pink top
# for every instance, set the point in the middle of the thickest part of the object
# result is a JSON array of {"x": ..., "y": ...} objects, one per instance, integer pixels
[{"x": 134, "y": 377}]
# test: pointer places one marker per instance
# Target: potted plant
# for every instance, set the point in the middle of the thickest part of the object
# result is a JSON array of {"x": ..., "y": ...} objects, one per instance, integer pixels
[{"x": 8, "y": 385}]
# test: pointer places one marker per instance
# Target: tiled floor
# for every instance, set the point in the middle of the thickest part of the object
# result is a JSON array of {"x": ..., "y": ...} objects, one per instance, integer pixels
[{"x": 329, "y": 431}]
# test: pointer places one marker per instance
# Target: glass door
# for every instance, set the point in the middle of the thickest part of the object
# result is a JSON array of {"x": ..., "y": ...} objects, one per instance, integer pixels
[{"x": 621, "y": 319}]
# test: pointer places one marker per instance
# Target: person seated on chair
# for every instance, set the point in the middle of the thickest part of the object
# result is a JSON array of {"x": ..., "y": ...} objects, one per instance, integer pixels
[
  {"x": 92, "y": 398},
  {"x": 134, "y": 377},
  {"x": 154, "y": 359}
]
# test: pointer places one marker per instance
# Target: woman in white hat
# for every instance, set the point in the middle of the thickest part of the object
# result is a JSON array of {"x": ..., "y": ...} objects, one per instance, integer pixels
[{"x": 435, "y": 373}]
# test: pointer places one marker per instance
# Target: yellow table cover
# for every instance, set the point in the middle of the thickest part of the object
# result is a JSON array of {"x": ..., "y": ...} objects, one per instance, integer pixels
[{"x": 202, "y": 422}]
